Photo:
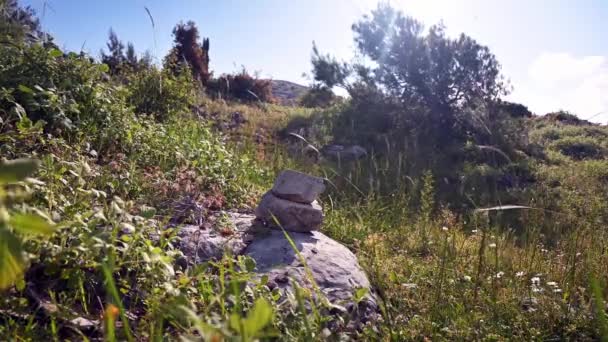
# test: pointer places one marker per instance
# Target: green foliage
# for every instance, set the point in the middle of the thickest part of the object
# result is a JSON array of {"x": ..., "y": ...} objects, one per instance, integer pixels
[
  {"x": 18, "y": 23},
  {"x": 428, "y": 98},
  {"x": 119, "y": 154},
  {"x": 434, "y": 71},
  {"x": 187, "y": 51},
  {"x": 580, "y": 148},
  {"x": 251, "y": 326},
  {"x": 115, "y": 58},
  {"x": 60, "y": 90},
  {"x": 161, "y": 94},
  {"x": 318, "y": 96},
  {"x": 12, "y": 225},
  {"x": 120, "y": 61}
]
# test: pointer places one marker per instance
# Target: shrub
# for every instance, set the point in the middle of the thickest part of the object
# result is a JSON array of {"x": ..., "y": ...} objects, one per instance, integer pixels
[
  {"x": 242, "y": 86},
  {"x": 318, "y": 96},
  {"x": 161, "y": 93},
  {"x": 64, "y": 90},
  {"x": 580, "y": 148},
  {"x": 566, "y": 118}
]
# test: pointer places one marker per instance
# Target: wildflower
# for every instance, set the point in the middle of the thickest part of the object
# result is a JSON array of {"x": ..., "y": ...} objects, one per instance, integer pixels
[
  {"x": 444, "y": 228},
  {"x": 474, "y": 231},
  {"x": 499, "y": 275},
  {"x": 557, "y": 290},
  {"x": 492, "y": 245},
  {"x": 467, "y": 278},
  {"x": 519, "y": 274},
  {"x": 111, "y": 312},
  {"x": 536, "y": 284},
  {"x": 552, "y": 283}
]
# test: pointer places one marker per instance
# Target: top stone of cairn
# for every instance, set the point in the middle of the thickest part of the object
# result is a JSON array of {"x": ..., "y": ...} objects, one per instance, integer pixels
[{"x": 297, "y": 187}]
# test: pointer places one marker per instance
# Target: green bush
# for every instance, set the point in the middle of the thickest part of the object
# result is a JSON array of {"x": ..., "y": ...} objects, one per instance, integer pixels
[
  {"x": 579, "y": 148},
  {"x": 161, "y": 94},
  {"x": 241, "y": 86},
  {"x": 61, "y": 89},
  {"x": 318, "y": 96}
]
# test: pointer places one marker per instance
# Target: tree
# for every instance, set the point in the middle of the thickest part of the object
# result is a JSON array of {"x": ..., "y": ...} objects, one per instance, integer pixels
[
  {"x": 121, "y": 60},
  {"x": 427, "y": 73},
  {"x": 131, "y": 56},
  {"x": 187, "y": 50},
  {"x": 433, "y": 70},
  {"x": 115, "y": 57},
  {"x": 421, "y": 93},
  {"x": 18, "y": 23},
  {"x": 318, "y": 96}
]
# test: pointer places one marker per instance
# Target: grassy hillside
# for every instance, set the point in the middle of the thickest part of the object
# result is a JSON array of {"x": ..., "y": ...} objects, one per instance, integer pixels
[
  {"x": 496, "y": 234},
  {"x": 287, "y": 93}
]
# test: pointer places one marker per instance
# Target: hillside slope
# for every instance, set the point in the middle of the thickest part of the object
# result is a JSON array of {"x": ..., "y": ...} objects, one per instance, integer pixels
[{"x": 287, "y": 93}]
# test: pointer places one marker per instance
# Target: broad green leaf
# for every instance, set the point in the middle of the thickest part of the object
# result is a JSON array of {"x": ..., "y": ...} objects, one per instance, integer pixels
[
  {"x": 17, "y": 169},
  {"x": 55, "y": 53},
  {"x": 25, "y": 89},
  {"x": 12, "y": 262},
  {"x": 104, "y": 68},
  {"x": 235, "y": 322},
  {"x": 248, "y": 263},
  {"x": 360, "y": 293},
  {"x": 31, "y": 224},
  {"x": 259, "y": 317}
]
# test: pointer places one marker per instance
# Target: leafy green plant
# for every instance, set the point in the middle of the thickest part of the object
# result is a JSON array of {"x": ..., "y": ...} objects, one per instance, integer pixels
[
  {"x": 16, "y": 224},
  {"x": 160, "y": 93}
]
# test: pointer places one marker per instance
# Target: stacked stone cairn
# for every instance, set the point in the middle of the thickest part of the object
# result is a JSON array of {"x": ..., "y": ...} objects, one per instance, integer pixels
[{"x": 292, "y": 204}]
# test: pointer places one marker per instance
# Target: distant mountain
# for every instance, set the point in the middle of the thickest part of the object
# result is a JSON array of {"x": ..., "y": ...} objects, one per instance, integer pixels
[{"x": 287, "y": 93}]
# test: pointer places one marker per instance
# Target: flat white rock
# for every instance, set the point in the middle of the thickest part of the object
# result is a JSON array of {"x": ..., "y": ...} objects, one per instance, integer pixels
[{"x": 298, "y": 187}]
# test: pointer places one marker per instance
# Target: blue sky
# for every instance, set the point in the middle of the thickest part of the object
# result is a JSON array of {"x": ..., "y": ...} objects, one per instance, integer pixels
[{"x": 555, "y": 53}]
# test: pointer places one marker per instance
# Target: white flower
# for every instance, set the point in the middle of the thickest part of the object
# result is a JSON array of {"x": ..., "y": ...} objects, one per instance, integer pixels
[
  {"x": 552, "y": 283},
  {"x": 520, "y": 274},
  {"x": 535, "y": 280},
  {"x": 474, "y": 231},
  {"x": 499, "y": 275},
  {"x": 492, "y": 245},
  {"x": 444, "y": 228},
  {"x": 557, "y": 290},
  {"x": 467, "y": 278}
]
